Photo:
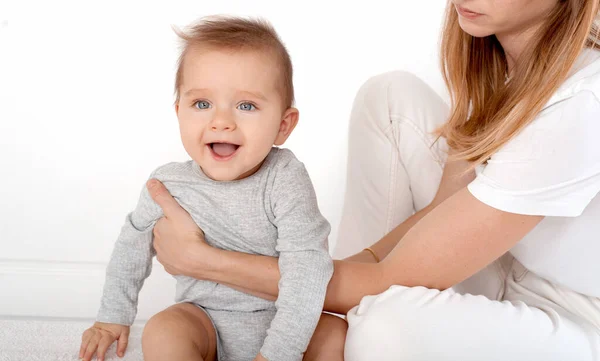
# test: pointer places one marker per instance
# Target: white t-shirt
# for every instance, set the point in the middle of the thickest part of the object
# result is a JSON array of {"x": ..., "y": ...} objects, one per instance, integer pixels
[{"x": 552, "y": 168}]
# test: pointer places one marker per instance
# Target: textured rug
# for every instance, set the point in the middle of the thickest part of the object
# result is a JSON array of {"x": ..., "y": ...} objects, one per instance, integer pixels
[{"x": 55, "y": 340}]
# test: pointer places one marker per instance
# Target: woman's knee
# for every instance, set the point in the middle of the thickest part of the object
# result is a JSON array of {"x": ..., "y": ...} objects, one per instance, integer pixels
[
  {"x": 381, "y": 82},
  {"x": 395, "y": 85},
  {"x": 398, "y": 96}
]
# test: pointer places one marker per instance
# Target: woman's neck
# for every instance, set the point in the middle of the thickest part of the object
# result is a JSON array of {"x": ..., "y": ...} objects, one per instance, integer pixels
[{"x": 514, "y": 43}]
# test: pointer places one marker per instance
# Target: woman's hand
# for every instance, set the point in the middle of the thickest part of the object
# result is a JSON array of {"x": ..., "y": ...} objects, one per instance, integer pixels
[
  {"x": 260, "y": 358},
  {"x": 178, "y": 241},
  {"x": 182, "y": 250}
]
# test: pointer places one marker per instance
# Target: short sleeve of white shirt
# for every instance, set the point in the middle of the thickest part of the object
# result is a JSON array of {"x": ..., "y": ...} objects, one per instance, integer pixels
[{"x": 552, "y": 167}]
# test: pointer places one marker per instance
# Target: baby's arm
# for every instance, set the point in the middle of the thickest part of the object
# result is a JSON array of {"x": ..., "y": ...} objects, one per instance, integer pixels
[
  {"x": 130, "y": 263},
  {"x": 304, "y": 262}
]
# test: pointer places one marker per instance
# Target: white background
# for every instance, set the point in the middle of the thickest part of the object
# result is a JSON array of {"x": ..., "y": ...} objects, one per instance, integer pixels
[{"x": 86, "y": 93}]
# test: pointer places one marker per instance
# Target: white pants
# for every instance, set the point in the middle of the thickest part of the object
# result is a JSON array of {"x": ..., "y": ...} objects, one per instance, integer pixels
[{"x": 502, "y": 313}]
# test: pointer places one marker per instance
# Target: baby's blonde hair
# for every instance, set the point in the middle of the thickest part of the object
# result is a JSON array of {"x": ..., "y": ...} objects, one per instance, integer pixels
[{"x": 237, "y": 34}]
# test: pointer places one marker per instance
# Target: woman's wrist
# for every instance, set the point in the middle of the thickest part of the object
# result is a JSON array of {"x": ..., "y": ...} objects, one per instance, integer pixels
[
  {"x": 201, "y": 262},
  {"x": 254, "y": 274},
  {"x": 363, "y": 256},
  {"x": 372, "y": 252}
]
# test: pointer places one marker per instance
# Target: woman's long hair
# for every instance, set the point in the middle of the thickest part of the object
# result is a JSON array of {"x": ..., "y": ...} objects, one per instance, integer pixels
[{"x": 487, "y": 110}]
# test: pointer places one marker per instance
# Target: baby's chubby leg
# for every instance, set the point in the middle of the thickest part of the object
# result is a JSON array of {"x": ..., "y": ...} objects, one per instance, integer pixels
[
  {"x": 181, "y": 332},
  {"x": 327, "y": 343}
]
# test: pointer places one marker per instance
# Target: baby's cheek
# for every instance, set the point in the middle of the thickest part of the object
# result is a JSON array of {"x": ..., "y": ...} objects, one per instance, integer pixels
[
  {"x": 192, "y": 146},
  {"x": 189, "y": 135}
]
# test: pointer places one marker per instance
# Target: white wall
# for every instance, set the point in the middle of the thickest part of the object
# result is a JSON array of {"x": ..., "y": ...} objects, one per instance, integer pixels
[{"x": 86, "y": 113}]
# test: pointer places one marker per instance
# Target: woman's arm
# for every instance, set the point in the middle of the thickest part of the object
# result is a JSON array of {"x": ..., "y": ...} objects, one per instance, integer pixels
[
  {"x": 181, "y": 249},
  {"x": 452, "y": 242},
  {"x": 259, "y": 275},
  {"x": 454, "y": 178}
]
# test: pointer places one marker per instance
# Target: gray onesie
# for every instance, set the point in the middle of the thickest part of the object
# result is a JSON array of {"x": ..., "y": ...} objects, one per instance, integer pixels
[{"x": 273, "y": 212}]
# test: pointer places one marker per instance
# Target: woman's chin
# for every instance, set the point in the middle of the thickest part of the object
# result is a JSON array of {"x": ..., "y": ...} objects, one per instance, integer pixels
[{"x": 475, "y": 31}]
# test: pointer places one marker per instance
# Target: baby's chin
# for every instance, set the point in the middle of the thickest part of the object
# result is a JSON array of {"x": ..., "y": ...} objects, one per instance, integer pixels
[
  {"x": 225, "y": 174},
  {"x": 221, "y": 175}
]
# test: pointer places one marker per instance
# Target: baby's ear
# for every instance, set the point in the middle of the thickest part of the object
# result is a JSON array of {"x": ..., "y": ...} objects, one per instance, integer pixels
[{"x": 288, "y": 123}]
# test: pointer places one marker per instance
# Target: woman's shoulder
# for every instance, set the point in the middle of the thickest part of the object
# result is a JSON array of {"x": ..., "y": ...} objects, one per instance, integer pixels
[{"x": 585, "y": 77}]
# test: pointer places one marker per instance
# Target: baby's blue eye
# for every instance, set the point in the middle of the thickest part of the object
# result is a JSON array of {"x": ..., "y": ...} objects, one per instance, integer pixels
[
  {"x": 246, "y": 106},
  {"x": 202, "y": 104}
]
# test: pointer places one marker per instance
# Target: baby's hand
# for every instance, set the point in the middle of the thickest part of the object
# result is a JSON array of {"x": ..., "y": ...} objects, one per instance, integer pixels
[{"x": 100, "y": 337}]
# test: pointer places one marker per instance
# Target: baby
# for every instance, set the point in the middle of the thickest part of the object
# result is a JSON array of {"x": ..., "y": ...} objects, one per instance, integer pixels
[{"x": 234, "y": 96}]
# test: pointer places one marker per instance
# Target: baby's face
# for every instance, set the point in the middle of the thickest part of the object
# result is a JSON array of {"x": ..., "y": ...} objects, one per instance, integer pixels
[{"x": 230, "y": 111}]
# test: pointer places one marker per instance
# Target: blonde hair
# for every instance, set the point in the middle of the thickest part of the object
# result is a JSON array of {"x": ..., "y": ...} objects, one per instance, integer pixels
[
  {"x": 487, "y": 110},
  {"x": 237, "y": 34}
]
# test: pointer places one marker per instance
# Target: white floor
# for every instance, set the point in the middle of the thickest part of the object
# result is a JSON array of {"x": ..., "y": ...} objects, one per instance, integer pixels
[{"x": 55, "y": 340}]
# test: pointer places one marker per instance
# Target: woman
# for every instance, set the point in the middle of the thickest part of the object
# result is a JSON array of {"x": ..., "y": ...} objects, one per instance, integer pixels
[{"x": 510, "y": 221}]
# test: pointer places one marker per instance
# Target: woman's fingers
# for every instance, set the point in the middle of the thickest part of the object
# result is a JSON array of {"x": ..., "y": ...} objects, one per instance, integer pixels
[
  {"x": 158, "y": 227},
  {"x": 163, "y": 198},
  {"x": 178, "y": 220}
]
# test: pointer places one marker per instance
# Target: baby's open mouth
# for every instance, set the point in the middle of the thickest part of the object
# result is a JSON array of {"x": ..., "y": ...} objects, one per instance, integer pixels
[{"x": 223, "y": 150}]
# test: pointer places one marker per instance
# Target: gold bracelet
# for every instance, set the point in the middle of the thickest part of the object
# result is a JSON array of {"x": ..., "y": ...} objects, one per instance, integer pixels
[{"x": 373, "y": 253}]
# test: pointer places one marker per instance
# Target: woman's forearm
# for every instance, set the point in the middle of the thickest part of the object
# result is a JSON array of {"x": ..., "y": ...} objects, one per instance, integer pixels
[
  {"x": 360, "y": 275},
  {"x": 259, "y": 275},
  {"x": 253, "y": 274},
  {"x": 252, "y": 292},
  {"x": 385, "y": 245}
]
